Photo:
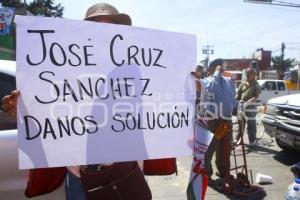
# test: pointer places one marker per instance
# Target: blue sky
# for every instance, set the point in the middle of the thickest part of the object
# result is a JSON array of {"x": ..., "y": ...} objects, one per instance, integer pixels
[{"x": 234, "y": 27}]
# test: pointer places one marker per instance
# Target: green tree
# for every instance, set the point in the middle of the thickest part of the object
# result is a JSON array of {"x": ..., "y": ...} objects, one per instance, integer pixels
[
  {"x": 12, "y": 3},
  {"x": 282, "y": 65},
  {"x": 45, "y": 8}
]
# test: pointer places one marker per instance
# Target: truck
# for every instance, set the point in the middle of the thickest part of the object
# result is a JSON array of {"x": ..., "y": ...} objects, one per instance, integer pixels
[
  {"x": 282, "y": 121},
  {"x": 271, "y": 88}
]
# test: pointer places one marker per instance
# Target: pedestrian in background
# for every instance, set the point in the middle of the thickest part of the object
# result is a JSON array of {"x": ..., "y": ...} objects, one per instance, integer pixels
[{"x": 248, "y": 92}]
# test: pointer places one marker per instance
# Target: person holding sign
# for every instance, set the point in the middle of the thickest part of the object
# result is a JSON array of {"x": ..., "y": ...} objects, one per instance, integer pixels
[
  {"x": 100, "y": 181},
  {"x": 103, "y": 13}
]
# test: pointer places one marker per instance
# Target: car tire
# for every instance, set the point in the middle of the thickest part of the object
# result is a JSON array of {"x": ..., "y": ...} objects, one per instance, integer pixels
[{"x": 283, "y": 146}]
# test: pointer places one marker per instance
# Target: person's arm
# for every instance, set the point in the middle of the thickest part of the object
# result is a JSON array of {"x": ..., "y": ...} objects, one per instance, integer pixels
[
  {"x": 9, "y": 103},
  {"x": 197, "y": 77},
  {"x": 234, "y": 94},
  {"x": 239, "y": 92},
  {"x": 232, "y": 88},
  {"x": 253, "y": 99},
  {"x": 198, "y": 86}
]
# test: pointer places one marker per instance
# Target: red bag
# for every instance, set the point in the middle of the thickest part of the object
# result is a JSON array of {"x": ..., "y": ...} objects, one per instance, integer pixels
[
  {"x": 44, "y": 180},
  {"x": 166, "y": 166}
]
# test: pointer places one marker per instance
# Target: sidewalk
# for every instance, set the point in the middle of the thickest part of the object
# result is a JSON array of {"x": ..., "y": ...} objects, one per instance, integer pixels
[{"x": 267, "y": 159}]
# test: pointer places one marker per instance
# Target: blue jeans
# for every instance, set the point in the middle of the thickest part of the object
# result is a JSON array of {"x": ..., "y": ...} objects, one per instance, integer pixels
[{"x": 73, "y": 188}]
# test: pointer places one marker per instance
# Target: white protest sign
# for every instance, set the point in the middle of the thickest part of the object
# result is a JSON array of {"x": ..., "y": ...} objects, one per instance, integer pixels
[{"x": 97, "y": 93}]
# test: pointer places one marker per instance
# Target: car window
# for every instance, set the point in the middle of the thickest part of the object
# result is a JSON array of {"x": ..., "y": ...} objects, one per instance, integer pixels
[
  {"x": 281, "y": 85},
  {"x": 263, "y": 86},
  {"x": 270, "y": 85},
  {"x": 8, "y": 83}
]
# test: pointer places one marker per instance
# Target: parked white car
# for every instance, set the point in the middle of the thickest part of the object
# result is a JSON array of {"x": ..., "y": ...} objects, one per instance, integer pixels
[
  {"x": 12, "y": 180},
  {"x": 273, "y": 88}
]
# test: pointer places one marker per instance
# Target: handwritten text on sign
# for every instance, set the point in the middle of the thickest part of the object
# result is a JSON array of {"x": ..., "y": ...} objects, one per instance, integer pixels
[{"x": 96, "y": 93}]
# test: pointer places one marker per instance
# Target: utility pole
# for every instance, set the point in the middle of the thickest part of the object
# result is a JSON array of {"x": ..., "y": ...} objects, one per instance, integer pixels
[
  {"x": 282, "y": 51},
  {"x": 207, "y": 50},
  {"x": 282, "y": 67}
]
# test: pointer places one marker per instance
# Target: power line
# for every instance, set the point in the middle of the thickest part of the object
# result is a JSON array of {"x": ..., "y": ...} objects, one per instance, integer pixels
[
  {"x": 276, "y": 50},
  {"x": 293, "y": 43},
  {"x": 293, "y": 48},
  {"x": 286, "y": 3},
  {"x": 274, "y": 2}
]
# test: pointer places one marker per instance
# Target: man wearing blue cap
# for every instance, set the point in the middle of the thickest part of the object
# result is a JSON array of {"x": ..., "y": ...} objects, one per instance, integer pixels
[{"x": 219, "y": 102}]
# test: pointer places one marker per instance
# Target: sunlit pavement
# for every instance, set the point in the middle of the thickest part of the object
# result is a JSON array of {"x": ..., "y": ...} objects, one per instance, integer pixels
[{"x": 267, "y": 158}]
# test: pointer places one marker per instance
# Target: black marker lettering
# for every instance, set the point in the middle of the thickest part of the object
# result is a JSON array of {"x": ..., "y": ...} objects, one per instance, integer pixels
[{"x": 41, "y": 32}]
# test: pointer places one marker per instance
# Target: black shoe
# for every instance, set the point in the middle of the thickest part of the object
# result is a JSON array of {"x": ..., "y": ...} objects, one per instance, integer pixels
[
  {"x": 211, "y": 182},
  {"x": 219, "y": 175}
]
